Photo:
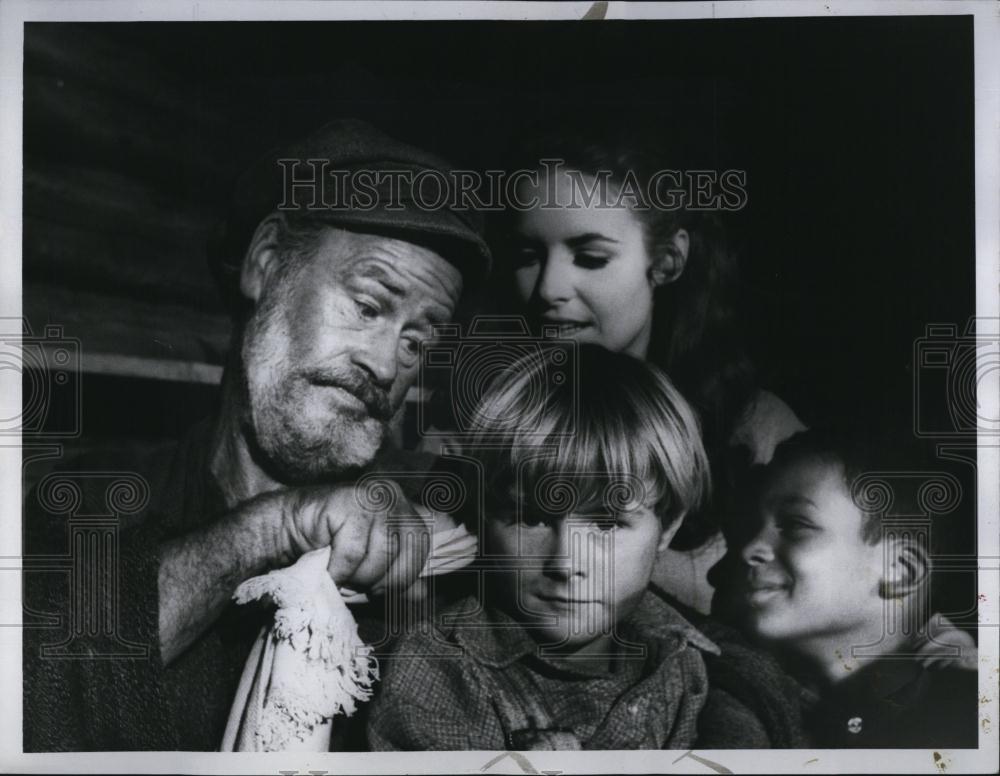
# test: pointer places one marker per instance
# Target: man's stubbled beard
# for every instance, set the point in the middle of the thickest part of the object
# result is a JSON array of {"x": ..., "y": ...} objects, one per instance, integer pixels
[{"x": 289, "y": 444}]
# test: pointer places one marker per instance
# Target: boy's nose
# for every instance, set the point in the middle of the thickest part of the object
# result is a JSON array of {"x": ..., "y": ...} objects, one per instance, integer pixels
[
  {"x": 569, "y": 551},
  {"x": 757, "y": 551}
]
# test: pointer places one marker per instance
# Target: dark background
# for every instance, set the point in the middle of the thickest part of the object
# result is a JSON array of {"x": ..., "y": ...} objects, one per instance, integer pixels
[{"x": 856, "y": 135}]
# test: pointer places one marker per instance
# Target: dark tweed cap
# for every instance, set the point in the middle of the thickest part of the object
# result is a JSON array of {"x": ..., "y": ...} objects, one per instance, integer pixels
[{"x": 357, "y": 177}]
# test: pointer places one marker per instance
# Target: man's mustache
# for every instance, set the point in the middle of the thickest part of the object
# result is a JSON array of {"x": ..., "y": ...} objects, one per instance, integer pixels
[{"x": 375, "y": 399}]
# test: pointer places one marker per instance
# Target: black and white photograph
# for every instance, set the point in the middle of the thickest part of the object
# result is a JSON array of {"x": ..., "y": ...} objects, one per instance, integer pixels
[{"x": 456, "y": 387}]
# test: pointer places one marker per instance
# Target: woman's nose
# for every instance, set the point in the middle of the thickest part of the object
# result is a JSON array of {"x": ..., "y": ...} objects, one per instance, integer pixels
[{"x": 555, "y": 281}]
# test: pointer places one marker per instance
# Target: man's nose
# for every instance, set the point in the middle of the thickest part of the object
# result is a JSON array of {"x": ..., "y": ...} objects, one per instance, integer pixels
[
  {"x": 378, "y": 356},
  {"x": 555, "y": 281},
  {"x": 758, "y": 550}
]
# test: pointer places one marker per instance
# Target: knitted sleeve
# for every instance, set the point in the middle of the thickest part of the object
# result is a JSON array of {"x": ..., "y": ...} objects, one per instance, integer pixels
[{"x": 91, "y": 632}]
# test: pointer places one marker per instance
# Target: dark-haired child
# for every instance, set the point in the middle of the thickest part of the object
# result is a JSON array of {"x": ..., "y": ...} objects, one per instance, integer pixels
[{"x": 841, "y": 592}]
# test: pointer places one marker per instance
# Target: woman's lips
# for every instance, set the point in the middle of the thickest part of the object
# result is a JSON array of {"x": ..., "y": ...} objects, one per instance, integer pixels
[{"x": 565, "y": 327}]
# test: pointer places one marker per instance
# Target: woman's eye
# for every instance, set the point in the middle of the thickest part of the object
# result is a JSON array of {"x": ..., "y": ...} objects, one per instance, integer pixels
[
  {"x": 525, "y": 257},
  {"x": 591, "y": 260}
]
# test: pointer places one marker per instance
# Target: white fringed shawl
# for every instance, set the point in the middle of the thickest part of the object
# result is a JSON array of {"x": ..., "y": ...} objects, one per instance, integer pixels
[{"x": 310, "y": 664}]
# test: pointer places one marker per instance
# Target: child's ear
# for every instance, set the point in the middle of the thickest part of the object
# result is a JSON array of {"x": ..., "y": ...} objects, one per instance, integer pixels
[
  {"x": 261, "y": 258},
  {"x": 668, "y": 534},
  {"x": 907, "y": 567},
  {"x": 669, "y": 265}
]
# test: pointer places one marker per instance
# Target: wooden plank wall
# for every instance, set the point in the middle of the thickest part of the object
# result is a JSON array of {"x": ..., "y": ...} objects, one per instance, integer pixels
[{"x": 123, "y": 176}]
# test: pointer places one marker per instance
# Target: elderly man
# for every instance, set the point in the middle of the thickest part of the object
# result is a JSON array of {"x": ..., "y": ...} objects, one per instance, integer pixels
[{"x": 333, "y": 304}]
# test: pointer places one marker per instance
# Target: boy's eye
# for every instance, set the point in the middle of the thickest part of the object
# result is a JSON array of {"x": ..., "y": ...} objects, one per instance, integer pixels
[
  {"x": 795, "y": 526},
  {"x": 533, "y": 519},
  {"x": 609, "y": 523}
]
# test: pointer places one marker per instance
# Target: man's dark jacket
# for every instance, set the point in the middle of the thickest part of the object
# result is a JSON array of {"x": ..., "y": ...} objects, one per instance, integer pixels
[{"x": 93, "y": 679}]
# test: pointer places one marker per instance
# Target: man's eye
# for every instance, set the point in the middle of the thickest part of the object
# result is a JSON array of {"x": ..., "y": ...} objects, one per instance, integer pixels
[
  {"x": 591, "y": 260},
  {"x": 412, "y": 346},
  {"x": 366, "y": 310}
]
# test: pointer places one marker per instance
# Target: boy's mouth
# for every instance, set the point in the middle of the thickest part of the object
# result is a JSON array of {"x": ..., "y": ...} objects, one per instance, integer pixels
[
  {"x": 562, "y": 600},
  {"x": 761, "y": 593}
]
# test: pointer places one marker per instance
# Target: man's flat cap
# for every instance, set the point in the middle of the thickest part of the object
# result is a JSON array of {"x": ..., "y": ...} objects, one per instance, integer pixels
[{"x": 352, "y": 175}]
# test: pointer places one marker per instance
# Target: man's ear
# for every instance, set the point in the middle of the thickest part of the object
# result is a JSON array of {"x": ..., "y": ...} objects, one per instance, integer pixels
[
  {"x": 261, "y": 258},
  {"x": 670, "y": 264},
  {"x": 907, "y": 567}
]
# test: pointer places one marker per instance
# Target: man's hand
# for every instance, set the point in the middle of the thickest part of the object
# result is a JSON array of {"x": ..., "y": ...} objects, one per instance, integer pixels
[
  {"x": 377, "y": 538},
  {"x": 375, "y": 543}
]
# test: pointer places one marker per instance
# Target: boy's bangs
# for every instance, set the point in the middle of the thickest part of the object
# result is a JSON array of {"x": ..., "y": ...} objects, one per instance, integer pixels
[
  {"x": 605, "y": 463},
  {"x": 597, "y": 470},
  {"x": 619, "y": 436}
]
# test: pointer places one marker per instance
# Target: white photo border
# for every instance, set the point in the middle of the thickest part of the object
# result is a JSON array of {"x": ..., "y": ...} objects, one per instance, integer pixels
[{"x": 14, "y": 13}]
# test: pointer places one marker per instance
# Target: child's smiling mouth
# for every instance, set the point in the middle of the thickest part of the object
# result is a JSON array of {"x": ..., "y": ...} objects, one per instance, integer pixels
[
  {"x": 761, "y": 590},
  {"x": 758, "y": 596}
]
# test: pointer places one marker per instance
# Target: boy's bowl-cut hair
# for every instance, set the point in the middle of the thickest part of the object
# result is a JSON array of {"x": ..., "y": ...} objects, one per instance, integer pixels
[{"x": 617, "y": 432}]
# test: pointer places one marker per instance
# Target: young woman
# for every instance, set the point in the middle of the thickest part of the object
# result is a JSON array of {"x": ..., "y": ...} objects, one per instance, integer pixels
[{"x": 594, "y": 249}]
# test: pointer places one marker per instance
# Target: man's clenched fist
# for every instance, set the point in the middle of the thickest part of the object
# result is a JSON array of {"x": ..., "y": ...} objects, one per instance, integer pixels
[{"x": 377, "y": 538}]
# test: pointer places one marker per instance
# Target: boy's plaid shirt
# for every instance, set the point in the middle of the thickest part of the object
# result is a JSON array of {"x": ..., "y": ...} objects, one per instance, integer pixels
[{"x": 481, "y": 685}]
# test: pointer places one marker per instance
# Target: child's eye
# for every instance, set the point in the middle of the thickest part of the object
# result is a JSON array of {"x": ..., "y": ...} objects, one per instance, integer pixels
[
  {"x": 796, "y": 526},
  {"x": 533, "y": 519},
  {"x": 607, "y": 523}
]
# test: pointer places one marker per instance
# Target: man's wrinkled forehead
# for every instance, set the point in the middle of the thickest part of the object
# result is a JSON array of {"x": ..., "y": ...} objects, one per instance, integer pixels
[{"x": 410, "y": 273}]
